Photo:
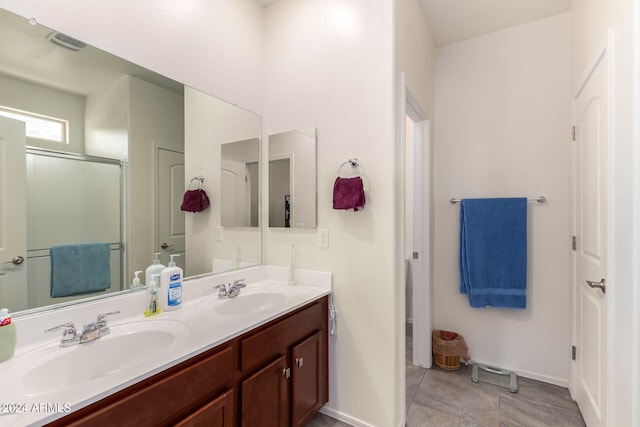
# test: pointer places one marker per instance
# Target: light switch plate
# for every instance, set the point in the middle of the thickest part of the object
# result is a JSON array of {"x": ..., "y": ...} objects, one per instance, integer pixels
[
  {"x": 323, "y": 238},
  {"x": 219, "y": 233}
]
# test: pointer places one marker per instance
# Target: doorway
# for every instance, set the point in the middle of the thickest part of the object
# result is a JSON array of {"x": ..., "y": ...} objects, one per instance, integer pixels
[{"x": 417, "y": 231}]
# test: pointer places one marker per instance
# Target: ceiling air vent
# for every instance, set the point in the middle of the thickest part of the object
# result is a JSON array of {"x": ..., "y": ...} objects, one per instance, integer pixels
[{"x": 65, "y": 41}]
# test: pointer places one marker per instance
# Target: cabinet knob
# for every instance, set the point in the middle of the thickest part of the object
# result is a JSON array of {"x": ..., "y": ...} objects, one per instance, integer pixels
[
  {"x": 286, "y": 372},
  {"x": 299, "y": 362}
]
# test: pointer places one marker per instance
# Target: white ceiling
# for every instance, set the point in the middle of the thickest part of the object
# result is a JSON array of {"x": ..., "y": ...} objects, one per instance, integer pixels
[{"x": 451, "y": 21}]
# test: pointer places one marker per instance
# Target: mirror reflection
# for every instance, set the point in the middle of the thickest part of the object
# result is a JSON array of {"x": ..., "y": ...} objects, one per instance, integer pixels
[
  {"x": 293, "y": 179},
  {"x": 222, "y": 246},
  {"x": 239, "y": 180},
  {"x": 95, "y": 149}
]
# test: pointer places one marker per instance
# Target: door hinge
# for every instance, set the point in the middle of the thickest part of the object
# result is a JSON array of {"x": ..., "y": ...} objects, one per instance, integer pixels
[
  {"x": 573, "y": 133},
  {"x": 573, "y": 242},
  {"x": 573, "y": 352}
]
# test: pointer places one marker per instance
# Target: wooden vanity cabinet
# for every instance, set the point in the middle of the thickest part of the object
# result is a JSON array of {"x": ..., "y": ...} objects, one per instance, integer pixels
[
  {"x": 168, "y": 398},
  {"x": 275, "y": 375},
  {"x": 288, "y": 360}
]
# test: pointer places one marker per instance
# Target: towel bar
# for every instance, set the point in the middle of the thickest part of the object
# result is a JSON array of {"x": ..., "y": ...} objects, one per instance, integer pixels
[{"x": 539, "y": 199}]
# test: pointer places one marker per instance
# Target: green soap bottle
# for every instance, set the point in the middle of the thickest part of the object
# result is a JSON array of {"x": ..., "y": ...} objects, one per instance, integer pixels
[
  {"x": 7, "y": 336},
  {"x": 153, "y": 303}
]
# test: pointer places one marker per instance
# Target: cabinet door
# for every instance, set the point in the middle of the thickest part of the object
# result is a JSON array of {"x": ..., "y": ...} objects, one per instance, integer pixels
[
  {"x": 265, "y": 396},
  {"x": 217, "y": 413},
  {"x": 306, "y": 394}
]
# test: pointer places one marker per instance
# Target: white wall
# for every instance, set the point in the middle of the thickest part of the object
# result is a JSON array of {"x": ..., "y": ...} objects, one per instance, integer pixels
[
  {"x": 502, "y": 129},
  {"x": 590, "y": 21},
  {"x": 328, "y": 65}
]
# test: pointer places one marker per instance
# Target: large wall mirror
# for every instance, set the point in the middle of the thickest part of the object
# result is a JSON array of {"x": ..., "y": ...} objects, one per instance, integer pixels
[
  {"x": 293, "y": 179},
  {"x": 97, "y": 151}
]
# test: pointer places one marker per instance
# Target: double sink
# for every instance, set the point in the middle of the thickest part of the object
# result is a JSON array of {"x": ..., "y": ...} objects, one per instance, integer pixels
[{"x": 139, "y": 345}]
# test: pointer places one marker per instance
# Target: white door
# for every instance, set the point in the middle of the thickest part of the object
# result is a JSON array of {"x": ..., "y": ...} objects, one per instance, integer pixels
[
  {"x": 171, "y": 188},
  {"x": 13, "y": 215},
  {"x": 233, "y": 200},
  {"x": 591, "y": 109}
]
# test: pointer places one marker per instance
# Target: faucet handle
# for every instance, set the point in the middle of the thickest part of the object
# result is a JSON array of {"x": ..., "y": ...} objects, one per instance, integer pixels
[
  {"x": 101, "y": 316},
  {"x": 239, "y": 283},
  {"x": 223, "y": 289},
  {"x": 69, "y": 327}
]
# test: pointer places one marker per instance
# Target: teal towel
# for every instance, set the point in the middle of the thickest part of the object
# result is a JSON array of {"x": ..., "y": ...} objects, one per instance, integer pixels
[
  {"x": 493, "y": 252},
  {"x": 80, "y": 269}
]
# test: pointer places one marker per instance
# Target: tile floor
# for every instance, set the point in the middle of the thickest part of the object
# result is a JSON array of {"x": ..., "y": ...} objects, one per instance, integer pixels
[{"x": 440, "y": 398}]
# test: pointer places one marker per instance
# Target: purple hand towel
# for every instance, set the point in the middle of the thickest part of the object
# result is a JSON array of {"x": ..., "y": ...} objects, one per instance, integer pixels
[
  {"x": 348, "y": 193},
  {"x": 195, "y": 201}
]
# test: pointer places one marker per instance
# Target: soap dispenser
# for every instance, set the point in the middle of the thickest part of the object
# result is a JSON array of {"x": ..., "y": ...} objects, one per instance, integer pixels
[
  {"x": 154, "y": 268},
  {"x": 171, "y": 286},
  {"x": 135, "y": 284},
  {"x": 153, "y": 302}
]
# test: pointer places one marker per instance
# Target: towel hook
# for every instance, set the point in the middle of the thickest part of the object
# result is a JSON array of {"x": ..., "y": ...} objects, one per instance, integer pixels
[
  {"x": 354, "y": 163},
  {"x": 200, "y": 180}
]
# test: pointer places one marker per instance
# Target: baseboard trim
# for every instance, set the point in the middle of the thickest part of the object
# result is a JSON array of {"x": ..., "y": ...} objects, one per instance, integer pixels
[{"x": 341, "y": 416}]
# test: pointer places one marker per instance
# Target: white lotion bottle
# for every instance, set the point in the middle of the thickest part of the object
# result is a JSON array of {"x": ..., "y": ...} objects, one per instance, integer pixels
[
  {"x": 171, "y": 286},
  {"x": 154, "y": 268}
]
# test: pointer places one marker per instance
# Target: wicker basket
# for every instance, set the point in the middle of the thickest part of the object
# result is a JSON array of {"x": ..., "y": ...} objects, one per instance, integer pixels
[
  {"x": 448, "y": 347},
  {"x": 450, "y": 363}
]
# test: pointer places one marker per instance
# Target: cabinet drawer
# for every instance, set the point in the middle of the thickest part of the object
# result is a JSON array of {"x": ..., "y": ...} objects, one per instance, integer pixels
[
  {"x": 163, "y": 399},
  {"x": 276, "y": 339}
]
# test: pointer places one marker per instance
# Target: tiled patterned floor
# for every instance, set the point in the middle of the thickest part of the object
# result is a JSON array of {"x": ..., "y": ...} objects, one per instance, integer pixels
[{"x": 440, "y": 398}]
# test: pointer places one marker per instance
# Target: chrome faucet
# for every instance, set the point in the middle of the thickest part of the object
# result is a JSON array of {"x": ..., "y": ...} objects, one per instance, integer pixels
[
  {"x": 230, "y": 290},
  {"x": 69, "y": 336},
  {"x": 90, "y": 332}
]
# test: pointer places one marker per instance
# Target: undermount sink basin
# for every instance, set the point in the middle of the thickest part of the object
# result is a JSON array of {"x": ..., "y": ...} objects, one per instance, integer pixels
[
  {"x": 128, "y": 345},
  {"x": 250, "y": 303},
  {"x": 251, "y": 300}
]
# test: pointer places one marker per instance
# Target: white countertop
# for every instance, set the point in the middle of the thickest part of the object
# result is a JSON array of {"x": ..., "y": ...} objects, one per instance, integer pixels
[{"x": 33, "y": 395}]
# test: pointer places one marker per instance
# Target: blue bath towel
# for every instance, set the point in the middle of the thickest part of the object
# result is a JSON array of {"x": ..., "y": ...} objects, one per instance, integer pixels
[
  {"x": 493, "y": 252},
  {"x": 80, "y": 269}
]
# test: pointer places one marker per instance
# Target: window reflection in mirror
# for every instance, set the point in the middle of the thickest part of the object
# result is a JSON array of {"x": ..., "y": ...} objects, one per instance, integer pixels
[{"x": 293, "y": 179}]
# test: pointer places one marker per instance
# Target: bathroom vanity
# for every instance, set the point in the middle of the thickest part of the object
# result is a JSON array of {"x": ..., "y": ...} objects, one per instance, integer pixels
[
  {"x": 275, "y": 375},
  {"x": 259, "y": 359}
]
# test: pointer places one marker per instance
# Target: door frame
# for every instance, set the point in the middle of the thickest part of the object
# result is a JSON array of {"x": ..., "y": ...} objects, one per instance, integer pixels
[{"x": 421, "y": 290}]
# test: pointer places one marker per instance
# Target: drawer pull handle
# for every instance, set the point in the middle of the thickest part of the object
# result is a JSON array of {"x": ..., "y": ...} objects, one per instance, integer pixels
[{"x": 299, "y": 362}]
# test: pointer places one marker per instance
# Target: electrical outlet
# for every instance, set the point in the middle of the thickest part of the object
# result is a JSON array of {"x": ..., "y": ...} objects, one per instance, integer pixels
[
  {"x": 323, "y": 238},
  {"x": 219, "y": 234}
]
